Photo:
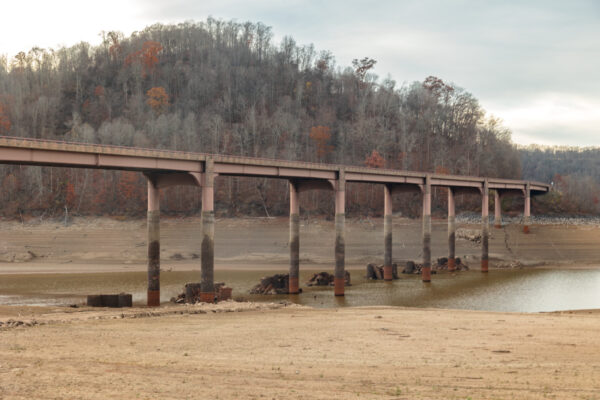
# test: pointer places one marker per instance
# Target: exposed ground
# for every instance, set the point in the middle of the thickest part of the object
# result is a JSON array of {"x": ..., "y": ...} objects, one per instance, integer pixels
[
  {"x": 102, "y": 244},
  {"x": 289, "y": 352},
  {"x": 300, "y": 353}
]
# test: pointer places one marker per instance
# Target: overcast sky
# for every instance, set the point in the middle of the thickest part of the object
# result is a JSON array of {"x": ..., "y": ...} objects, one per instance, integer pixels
[{"x": 534, "y": 64}]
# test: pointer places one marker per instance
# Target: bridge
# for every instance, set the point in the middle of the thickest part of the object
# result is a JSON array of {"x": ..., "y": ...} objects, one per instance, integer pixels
[{"x": 164, "y": 168}]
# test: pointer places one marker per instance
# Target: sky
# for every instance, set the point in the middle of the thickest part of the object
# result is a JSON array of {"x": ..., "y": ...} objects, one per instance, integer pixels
[{"x": 533, "y": 64}]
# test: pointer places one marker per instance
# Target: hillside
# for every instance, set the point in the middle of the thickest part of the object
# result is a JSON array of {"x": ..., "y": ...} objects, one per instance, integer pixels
[{"x": 225, "y": 87}]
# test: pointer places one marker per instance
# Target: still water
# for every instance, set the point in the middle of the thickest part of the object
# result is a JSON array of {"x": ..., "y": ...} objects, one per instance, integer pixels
[{"x": 512, "y": 290}]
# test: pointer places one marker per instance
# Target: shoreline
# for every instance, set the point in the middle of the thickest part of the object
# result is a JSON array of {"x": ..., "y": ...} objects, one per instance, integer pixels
[{"x": 45, "y": 268}]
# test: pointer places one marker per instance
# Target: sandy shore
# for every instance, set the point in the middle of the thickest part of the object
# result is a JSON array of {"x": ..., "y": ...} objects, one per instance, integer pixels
[
  {"x": 301, "y": 353},
  {"x": 255, "y": 351}
]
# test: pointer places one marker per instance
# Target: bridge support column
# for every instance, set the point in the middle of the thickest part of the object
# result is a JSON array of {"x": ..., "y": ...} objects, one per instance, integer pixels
[
  {"x": 451, "y": 231},
  {"x": 527, "y": 211},
  {"x": 340, "y": 245},
  {"x": 153, "y": 296},
  {"x": 294, "y": 286},
  {"x": 497, "y": 210},
  {"x": 387, "y": 234},
  {"x": 207, "y": 258},
  {"x": 426, "y": 269},
  {"x": 485, "y": 224}
]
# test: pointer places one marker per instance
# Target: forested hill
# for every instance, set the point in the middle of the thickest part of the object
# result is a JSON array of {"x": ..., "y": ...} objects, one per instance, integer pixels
[
  {"x": 226, "y": 87},
  {"x": 575, "y": 173}
]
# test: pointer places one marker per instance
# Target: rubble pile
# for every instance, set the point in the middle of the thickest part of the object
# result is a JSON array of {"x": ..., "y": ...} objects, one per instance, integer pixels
[
  {"x": 326, "y": 279},
  {"x": 375, "y": 272},
  {"x": 191, "y": 294}
]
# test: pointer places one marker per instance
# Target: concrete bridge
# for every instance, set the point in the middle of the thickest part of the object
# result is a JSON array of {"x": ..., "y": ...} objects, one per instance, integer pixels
[{"x": 164, "y": 168}]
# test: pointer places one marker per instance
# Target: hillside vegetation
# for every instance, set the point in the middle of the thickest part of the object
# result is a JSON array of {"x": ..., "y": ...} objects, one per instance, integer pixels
[{"x": 226, "y": 87}]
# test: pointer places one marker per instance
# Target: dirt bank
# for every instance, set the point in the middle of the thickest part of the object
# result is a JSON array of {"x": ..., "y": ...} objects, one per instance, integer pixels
[
  {"x": 103, "y": 244},
  {"x": 300, "y": 353}
]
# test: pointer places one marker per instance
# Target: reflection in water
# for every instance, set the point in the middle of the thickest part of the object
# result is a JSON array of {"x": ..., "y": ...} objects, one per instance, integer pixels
[{"x": 520, "y": 290}]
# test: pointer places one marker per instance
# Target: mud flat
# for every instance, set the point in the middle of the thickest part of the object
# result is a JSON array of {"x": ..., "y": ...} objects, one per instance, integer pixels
[{"x": 298, "y": 353}]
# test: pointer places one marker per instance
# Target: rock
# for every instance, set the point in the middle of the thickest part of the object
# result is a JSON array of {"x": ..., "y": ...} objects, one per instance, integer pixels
[
  {"x": 371, "y": 274},
  {"x": 327, "y": 279},
  {"x": 278, "y": 283},
  {"x": 409, "y": 268},
  {"x": 375, "y": 272},
  {"x": 321, "y": 279}
]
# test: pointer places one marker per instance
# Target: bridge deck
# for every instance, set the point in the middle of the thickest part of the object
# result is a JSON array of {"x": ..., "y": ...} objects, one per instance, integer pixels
[{"x": 25, "y": 151}]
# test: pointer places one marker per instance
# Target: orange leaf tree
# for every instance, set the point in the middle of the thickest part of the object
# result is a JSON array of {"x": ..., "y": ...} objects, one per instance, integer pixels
[
  {"x": 375, "y": 160},
  {"x": 147, "y": 57},
  {"x": 4, "y": 120},
  {"x": 320, "y": 136},
  {"x": 158, "y": 99}
]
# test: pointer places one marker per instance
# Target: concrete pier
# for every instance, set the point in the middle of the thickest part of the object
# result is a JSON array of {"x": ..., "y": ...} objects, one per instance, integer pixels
[
  {"x": 294, "y": 286},
  {"x": 426, "y": 269},
  {"x": 527, "y": 211},
  {"x": 153, "y": 297},
  {"x": 497, "y": 209},
  {"x": 207, "y": 258},
  {"x": 485, "y": 226},
  {"x": 451, "y": 231},
  {"x": 387, "y": 234},
  {"x": 340, "y": 244}
]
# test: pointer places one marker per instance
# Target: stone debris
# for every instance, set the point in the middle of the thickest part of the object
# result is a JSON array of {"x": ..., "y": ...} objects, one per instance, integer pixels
[
  {"x": 143, "y": 312},
  {"x": 473, "y": 235},
  {"x": 475, "y": 218},
  {"x": 509, "y": 264},
  {"x": 442, "y": 264},
  {"x": 327, "y": 279},
  {"x": 191, "y": 293},
  {"x": 375, "y": 272},
  {"x": 11, "y": 323},
  {"x": 275, "y": 284},
  {"x": 17, "y": 257}
]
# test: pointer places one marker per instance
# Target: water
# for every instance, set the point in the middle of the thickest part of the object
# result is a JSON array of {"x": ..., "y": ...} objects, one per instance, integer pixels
[{"x": 511, "y": 290}]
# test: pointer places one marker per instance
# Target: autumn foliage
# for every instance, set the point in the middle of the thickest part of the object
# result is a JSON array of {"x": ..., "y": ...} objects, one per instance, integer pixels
[
  {"x": 158, "y": 99},
  {"x": 320, "y": 136},
  {"x": 375, "y": 160},
  {"x": 4, "y": 120},
  {"x": 147, "y": 57}
]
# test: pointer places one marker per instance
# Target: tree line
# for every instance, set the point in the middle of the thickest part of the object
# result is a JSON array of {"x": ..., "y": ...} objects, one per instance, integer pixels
[{"x": 225, "y": 87}]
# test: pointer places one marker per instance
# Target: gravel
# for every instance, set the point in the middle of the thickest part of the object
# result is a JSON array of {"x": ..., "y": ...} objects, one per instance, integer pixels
[{"x": 475, "y": 218}]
